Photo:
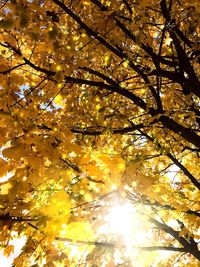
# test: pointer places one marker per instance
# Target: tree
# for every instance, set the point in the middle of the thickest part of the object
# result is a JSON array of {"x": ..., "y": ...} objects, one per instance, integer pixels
[{"x": 100, "y": 104}]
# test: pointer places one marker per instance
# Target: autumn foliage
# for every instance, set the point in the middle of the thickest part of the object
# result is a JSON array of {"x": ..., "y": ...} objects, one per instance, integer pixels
[{"x": 99, "y": 106}]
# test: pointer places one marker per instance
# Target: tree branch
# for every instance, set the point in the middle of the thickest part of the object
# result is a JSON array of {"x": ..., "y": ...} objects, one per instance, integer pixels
[
  {"x": 86, "y": 131},
  {"x": 114, "y": 245},
  {"x": 184, "y": 61},
  {"x": 8, "y": 217},
  {"x": 169, "y": 123},
  {"x": 176, "y": 162},
  {"x": 144, "y": 200},
  {"x": 78, "y": 170},
  {"x": 11, "y": 69},
  {"x": 189, "y": 247}
]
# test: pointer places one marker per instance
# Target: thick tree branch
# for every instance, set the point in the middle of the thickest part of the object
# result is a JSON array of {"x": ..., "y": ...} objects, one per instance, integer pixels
[
  {"x": 190, "y": 247},
  {"x": 177, "y": 128},
  {"x": 8, "y": 217},
  {"x": 86, "y": 131},
  {"x": 184, "y": 62}
]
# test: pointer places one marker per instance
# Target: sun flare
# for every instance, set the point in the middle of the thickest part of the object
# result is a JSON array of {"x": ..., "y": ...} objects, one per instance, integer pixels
[
  {"x": 124, "y": 222},
  {"x": 119, "y": 219}
]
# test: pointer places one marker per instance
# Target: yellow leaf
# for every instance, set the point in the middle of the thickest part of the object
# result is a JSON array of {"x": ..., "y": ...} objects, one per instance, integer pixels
[
  {"x": 4, "y": 189},
  {"x": 58, "y": 100},
  {"x": 8, "y": 250},
  {"x": 80, "y": 231},
  {"x": 58, "y": 204},
  {"x": 4, "y": 168},
  {"x": 14, "y": 152}
]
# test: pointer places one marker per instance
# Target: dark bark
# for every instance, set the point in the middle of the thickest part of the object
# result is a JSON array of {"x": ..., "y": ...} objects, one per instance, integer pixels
[
  {"x": 193, "y": 180},
  {"x": 185, "y": 65},
  {"x": 144, "y": 200},
  {"x": 190, "y": 246},
  {"x": 184, "y": 132},
  {"x": 8, "y": 217}
]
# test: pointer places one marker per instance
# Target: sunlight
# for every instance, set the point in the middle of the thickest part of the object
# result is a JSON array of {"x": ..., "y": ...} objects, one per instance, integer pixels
[
  {"x": 5, "y": 178},
  {"x": 120, "y": 218},
  {"x": 127, "y": 224},
  {"x": 123, "y": 220}
]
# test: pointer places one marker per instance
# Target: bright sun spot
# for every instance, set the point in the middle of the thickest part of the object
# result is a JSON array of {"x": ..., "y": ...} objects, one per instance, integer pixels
[
  {"x": 120, "y": 220},
  {"x": 125, "y": 223}
]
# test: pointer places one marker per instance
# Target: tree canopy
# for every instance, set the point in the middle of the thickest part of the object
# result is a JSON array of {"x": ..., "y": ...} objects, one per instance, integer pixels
[{"x": 99, "y": 111}]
